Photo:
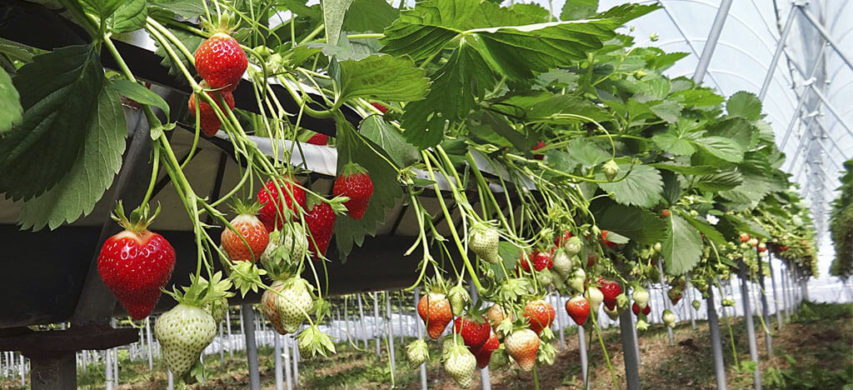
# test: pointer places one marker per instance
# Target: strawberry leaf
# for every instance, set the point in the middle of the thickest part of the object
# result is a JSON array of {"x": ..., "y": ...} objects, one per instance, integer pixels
[
  {"x": 721, "y": 148},
  {"x": 80, "y": 189},
  {"x": 382, "y": 77},
  {"x": 11, "y": 112},
  {"x": 353, "y": 147},
  {"x": 578, "y": 9},
  {"x": 333, "y": 18},
  {"x": 370, "y": 16},
  {"x": 392, "y": 142},
  {"x": 683, "y": 248},
  {"x": 59, "y": 93},
  {"x": 744, "y": 105},
  {"x": 140, "y": 94},
  {"x": 642, "y": 186},
  {"x": 129, "y": 16},
  {"x": 640, "y": 225}
]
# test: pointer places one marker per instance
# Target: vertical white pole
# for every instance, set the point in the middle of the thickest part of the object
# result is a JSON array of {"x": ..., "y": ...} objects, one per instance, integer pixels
[
  {"x": 279, "y": 380},
  {"x": 228, "y": 331},
  {"x": 376, "y": 331},
  {"x": 363, "y": 326},
  {"x": 288, "y": 375},
  {"x": 420, "y": 331}
]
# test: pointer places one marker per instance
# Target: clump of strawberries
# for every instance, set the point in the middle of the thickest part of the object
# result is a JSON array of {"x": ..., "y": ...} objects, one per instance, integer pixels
[{"x": 221, "y": 62}]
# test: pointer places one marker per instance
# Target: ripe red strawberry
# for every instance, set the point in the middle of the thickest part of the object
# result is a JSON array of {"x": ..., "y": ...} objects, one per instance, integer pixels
[
  {"x": 249, "y": 228},
  {"x": 539, "y": 314},
  {"x": 221, "y": 62},
  {"x": 319, "y": 139},
  {"x": 611, "y": 290},
  {"x": 539, "y": 145},
  {"x": 665, "y": 213},
  {"x": 562, "y": 239},
  {"x": 636, "y": 309},
  {"x": 483, "y": 353},
  {"x": 434, "y": 310},
  {"x": 320, "y": 221},
  {"x": 380, "y": 107},
  {"x": 744, "y": 237},
  {"x": 136, "y": 263},
  {"x": 474, "y": 331},
  {"x": 578, "y": 309},
  {"x": 675, "y": 295},
  {"x": 591, "y": 259},
  {"x": 522, "y": 345},
  {"x": 355, "y": 183},
  {"x": 208, "y": 121},
  {"x": 274, "y": 213},
  {"x": 541, "y": 260}
]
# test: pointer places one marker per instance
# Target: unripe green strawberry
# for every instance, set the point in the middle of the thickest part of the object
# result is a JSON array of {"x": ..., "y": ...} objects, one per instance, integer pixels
[
  {"x": 458, "y": 297},
  {"x": 595, "y": 297},
  {"x": 417, "y": 352},
  {"x": 522, "y": 345},
  {"x": 610, "y": 169},
  {"x": 573, "y": 246},
  {"x": 641, "y": 296},
  {"x": 576, "y": 282},
  {"x": 562, "y": 263},
  {"x": 696, "y": 304},
  {"x": 218, "y": 308},
  {"x": 642, "y": 324},
  {"x": 668, "y": 318},
  {"x": 460, "y": 364},
  {"x": 622, "y": 302},
  {"x": 184, "y": 332},
  {"x": 483, "y": 241},
  {"x": 728, "y": 302},
  {"x": 286, "y": 248},
  {"x": 221, "y": 61},
  {"x": 287, "y": 304}
]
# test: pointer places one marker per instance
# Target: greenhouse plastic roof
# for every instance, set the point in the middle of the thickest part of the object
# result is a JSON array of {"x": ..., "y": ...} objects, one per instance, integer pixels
[{"x": 817, "y": 138}]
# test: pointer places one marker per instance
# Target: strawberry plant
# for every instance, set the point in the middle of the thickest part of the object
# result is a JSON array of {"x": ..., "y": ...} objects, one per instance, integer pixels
[{"x": 515, "y": 140}]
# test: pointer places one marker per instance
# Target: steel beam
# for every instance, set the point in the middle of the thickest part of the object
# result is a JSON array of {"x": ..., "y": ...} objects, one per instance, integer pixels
[
  {"x": 819, "y": 26},
  {"x": 711, "y": 42},
  {"x": 780, "y": 45}
]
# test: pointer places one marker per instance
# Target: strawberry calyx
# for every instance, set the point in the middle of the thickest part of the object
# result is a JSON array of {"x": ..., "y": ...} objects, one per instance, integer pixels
[
  {"x": 245, "y": 207},
  {"x": 352, "y": 168},
  {"x": 201, "y": 292},
  {"x": 139, "y": 219}
]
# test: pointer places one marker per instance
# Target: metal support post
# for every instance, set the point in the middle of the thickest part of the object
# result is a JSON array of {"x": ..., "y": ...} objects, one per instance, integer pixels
[
  {"x": 248, "y": 318},
  {"x": 825, "y": 35},
  {"x": 716, "y": 341},
  {"x": 775, "y": 293},
  {"x": 228, "y": 331},
  {"x": 420, "y": 331},
  {"x": 690, "y": 297},
  {"x": 148, "y": 341},
  {"x": 279, "y": 374},
  {"x": 559, "y": 319},
  {"x": 108, "y": 370},
  {"x": 666, "y": 302},
  {"x": 711, "y": 43},
  {"x": 363, "y": 326},
  {"x": 288, "y": 375},
  {"x": 584, "y": 360},
  {"x": 389, "y": 328},
  {"x": 632, "y": 363},
  {"x": 295, "y": 359},
  {"x": 750, "y": 326},
  {"x": 376, "y": 326},
  {"x": 221, "y": 344},
  {"x": 780, "y": 45},
  {"x": 765, "y": 308}
]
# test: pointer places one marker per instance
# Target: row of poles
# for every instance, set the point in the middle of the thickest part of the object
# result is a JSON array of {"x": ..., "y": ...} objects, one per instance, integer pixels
[{"x": 385, "y": 328}]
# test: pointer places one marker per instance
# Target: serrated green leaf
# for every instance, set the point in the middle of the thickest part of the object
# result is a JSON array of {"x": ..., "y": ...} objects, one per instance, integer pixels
[
  {"x": 745, "y": 225},
  {"x": 698, "y": 97},
  {"x": 719, "y": 181},
  {"x": 140, "y": 94},
  {"x": 187, "y": 9},
  {"x": 738, "y": 130},
  {"x": 640, "y": 225},
  {"x": 671, "y": 143},
  {"x": 392, "y": 142},
  {"x": 642, "y": 187},
  {"x": 560, "y": 161},
  {"x": 370, "y": 16},
  {"x": 722, "y": 148},
  {"x": 587, "y": 153},
  {"x": 749, "y": 193},
  {"x": 578, "y": 9},
  {"x": 383, "y": 77},
  {"x": 104, "y": 8},
  {"x": 683, "y": 248},
  {"x": 333, "y": 18},
  {"x": 11, "y": 112},
  {"x": 485, "y": 122},
  {"x": 705, "y": 228},
  {"x": 387, "y": 192},
  {"x": 58, "y": 92},
  {"x": 667, "y": 110},
  {"x": 129, "y": 16},
  {"x": 568, "y": 104},
  {"x": 744, "y": 105},
  {"x": 686, "y": 169},
  {"x": 84, "y": 185}
]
